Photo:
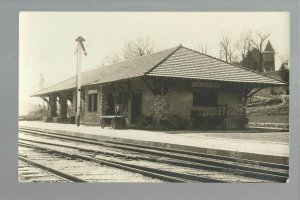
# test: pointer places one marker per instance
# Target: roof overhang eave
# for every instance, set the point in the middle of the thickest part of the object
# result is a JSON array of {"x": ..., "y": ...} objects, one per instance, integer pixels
[
  {"x": 39, "y": 94},
  {"x": 114, "y": 81},
  {"x": 280, "y": 83}
]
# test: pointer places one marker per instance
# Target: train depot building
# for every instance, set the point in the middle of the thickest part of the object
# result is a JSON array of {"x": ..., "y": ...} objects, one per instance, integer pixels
[{"x": 177, "y": 88}]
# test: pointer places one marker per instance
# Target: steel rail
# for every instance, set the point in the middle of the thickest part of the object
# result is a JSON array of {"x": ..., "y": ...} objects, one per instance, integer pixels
[
  {"x": 226, "y": 158},
  {"x": 51, "y": 170},
  {"x": 218, "y": 157},
  {"x": 147, "y": 171},
  {"x": 257, "y": 175},
  {"x": 183, "y": 157}
]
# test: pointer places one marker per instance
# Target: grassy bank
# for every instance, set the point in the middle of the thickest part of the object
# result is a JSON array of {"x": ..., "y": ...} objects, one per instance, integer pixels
[{"x": 271, "y": 109}]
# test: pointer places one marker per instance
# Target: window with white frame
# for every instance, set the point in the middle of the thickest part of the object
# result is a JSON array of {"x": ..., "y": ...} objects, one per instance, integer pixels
[{"x": 92, "y": 101}]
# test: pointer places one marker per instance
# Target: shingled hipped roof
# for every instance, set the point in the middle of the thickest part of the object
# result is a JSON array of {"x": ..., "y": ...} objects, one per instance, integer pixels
[
  {"x": 177, "y": 62},
  {"x": 187, "y": 63}
]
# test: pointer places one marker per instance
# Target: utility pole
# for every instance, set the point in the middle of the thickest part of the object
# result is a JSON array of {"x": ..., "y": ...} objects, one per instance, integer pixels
[{"x": 80, "y": 48}]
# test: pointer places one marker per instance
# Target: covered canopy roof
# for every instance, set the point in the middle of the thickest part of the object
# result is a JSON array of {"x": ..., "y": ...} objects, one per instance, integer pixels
[{"x": 177, "y": 62}]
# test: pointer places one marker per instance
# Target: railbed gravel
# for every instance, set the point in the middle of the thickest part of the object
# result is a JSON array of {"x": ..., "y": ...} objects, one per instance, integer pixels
[
  {"x": 89, "y": 171},
  {"x": 226, "y": 176}
]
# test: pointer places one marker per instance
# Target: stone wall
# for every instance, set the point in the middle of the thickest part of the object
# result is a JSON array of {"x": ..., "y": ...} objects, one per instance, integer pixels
[
  {"x": 147, "y": 95},
  {"x": 53, "y": 107},
  {"x": 63, "y": 107},
  {"x": 102, "y": 100},
  {"x": 136, "y": 85},
  {"x": 88, "y": 117},
  {"x": 181, "y": 101},
  {"x": 178, "y": 101},
  {"x": 73, "y": 103},
  {"x": 161, "y": 106}
]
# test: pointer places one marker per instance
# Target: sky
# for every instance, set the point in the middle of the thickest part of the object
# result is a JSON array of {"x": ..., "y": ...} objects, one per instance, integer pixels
[{"x": 47, "y": 39}]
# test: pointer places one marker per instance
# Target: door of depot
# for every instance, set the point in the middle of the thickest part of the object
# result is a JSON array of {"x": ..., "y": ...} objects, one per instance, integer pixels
[{"x": 136, "y": 106}]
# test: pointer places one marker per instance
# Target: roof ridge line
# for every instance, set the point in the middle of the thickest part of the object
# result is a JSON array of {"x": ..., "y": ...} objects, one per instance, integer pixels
[
  {"x": 134, "y": 58},
  {"x": 235, "y": 65},
  {"x": 164, "y": 59},
  {"x": 102, "y": 68},
  {"x": 63, "y": 81}
]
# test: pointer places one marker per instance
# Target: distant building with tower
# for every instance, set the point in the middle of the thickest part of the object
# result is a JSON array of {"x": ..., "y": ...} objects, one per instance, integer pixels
[{"x": 251, "y": 60}]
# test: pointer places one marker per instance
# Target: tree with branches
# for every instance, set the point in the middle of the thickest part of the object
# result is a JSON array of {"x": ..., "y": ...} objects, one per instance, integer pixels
[
  {"x": 131, "y": 49},
  {"x": 114, "y": 58},
  {"x": 203, "y": 47},
  {"x": 41, "y": 82},
  {"x": 139, "y": 47},
  {"x": 244, "y": 46},
  {"x": 42, "y": 85},
  {"x": 259, "y": 44},
  {"x": 227, "y": 49}
]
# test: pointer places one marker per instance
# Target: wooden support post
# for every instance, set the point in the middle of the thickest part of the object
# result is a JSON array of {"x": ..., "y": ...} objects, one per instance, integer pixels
[
  {"x": 68, "y": 97},
  {"x": 48, "y": 103},
  {"x": 57, "y": 100},
  {"x": 80, "y": 48},
  {"x": 129, "y": 103},
  {"x": 129, "y": 89},
  {"x": 63, "y": 107},
  {"x": 122, "y": 88},
  {"x": 148, "y": 85},
  {"x": 254, "y": 92},
  {"x": 52, "y": 101},
  {"x": 44, "y": 98},
  {"x": 244, "y": 100}
]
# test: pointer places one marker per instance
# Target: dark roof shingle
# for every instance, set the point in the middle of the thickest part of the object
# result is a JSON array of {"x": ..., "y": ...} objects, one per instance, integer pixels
[
  {"x": 187, "y": 63},
  {"x": 130, "y": 68}
]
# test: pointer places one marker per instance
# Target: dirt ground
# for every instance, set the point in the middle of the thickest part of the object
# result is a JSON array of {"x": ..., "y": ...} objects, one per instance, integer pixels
[
  {"x": 271, "y": 109},
  {"x": 269, "y": 119}
]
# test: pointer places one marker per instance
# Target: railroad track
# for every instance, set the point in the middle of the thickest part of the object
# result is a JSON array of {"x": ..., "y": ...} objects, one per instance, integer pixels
[
  {"x": 150, "y": 172},
  {"x": 268, "y": 172},
  {"x": 31, "y": 173},
  {"x": 47, "y": 172},
  {"x": 67, "y": 166}
]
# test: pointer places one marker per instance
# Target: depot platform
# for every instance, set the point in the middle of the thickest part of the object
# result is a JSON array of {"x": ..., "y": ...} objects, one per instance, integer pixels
[{"x": 267, "y": 147}]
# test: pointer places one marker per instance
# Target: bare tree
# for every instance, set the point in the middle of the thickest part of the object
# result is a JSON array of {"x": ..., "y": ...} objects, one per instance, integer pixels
[
  {"x": 139, "y": 47},
  {"x": 203, "y": 47},
  {"x": 41, "y": 82},
  {"x": 131, "y": 49},
  {"x": 259, "y": 43},
  {"x": 244, "y": 46},
  {"x": 42, "y": 85},
  {"x": 227, "y": 49},
  {"x": 114, "y": 58}
]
